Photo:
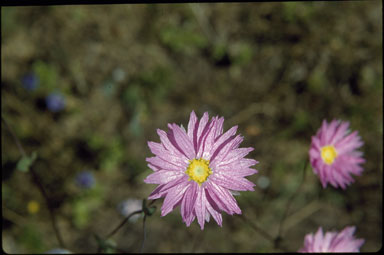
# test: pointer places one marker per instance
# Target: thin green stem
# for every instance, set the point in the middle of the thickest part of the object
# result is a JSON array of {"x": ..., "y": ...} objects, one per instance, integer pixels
[
  {"x": 144, "y": 234},
  {"x": 122, "y": 223},
  {"x": 289, "y": 202},
  {"x": 17, "y": 141},
  {"x": 37, "y": 182},
  {"x": 257, "y": 229},
  {"x": 263, "y": 233},
  {"x": 50, "y": 209}
]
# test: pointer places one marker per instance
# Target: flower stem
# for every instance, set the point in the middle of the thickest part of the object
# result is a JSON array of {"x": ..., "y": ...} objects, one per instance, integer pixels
[
  {"x": 37, "y": 182},
  {"x": 264, "y": 234},
  {"x": 289, "y": 202},
  {"x": 144, "y": 234},
  {"x": 122, "y": 223}
]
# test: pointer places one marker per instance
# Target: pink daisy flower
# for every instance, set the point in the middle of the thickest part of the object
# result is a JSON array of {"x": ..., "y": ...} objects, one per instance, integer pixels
[
  {"x": 332, "y": 241},
  {"x": 333, "y": 154},
  {"x": 199, "y": 169}
]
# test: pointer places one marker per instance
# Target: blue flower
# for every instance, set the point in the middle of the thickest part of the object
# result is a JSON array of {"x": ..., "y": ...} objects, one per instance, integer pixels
[
  {"x": 30, "y": 81},
  {"x": 85, "y": 179},
  {"x": 55, "y": 102}
]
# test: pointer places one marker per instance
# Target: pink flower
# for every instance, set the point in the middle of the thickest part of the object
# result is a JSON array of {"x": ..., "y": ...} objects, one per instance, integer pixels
[
  {"x": 332, "y": 241},
  {"x": 199, "y": 169},
  {"x": 333, "y": 154}
]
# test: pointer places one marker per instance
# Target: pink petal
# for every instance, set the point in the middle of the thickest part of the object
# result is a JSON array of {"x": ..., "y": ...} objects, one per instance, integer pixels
[
  {"x": 224, "y": 197},
  {"x": 222, "y": 141},
  {"x": 161, "y": 190},
  {"x": 234, "y": 170},
  {"x": 162, "y": 177},
  {"x": 207, "y": 141},
  {"x": 172, "y": 198},
  {"x": 200, "y": 207},
  {"x": 245, "y": 163},
  {"x": 183, "y": 141},
  {"x": 318, "y": 239},
  {"x": 154, "y": 168},
  {"x": 330, "y": 131},
  {"x": 189, "y": 219},
  {"x": 192, "y": 128},
  {"x": 202, "y": 126},
  {"x": 168, "y": 145},
  {"x": 323, "y": 131},
  {"x": 235, "y": 155},
  {"x": 162, "y": 164},
  {"x": 188, "y": 202},
  {"x": 219, "y": 128},
  {"x": 160, "y": 151},
  {"x": 231, "y": 182},
  {"x": 314, "y": 153},
  {"x": 224, "y": 151},
  {"x": 215, "y": 214},
  {"x": 316, "y": 142},
  {"x": 340, "y": 132},
  {"x": 349, "y": 143}
]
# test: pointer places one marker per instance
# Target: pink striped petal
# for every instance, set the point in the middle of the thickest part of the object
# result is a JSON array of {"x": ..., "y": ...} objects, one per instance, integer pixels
[
  {"x": 161, "y": 190},
  {"x": 200, "y": 207},
  {"x": 235, "y": 155},
  {"x": 206, "y": 140},
  {"x": 160, "y": 151},
  {"x": 222, "y": 141},
  {"x": 226, "y": 149},
  {"x": 189, "y": 199},
  {"x": 162, "y": 177},
  {"x": 168, "y": 145},
  {"x": 215, "y": 214},
  {"x": 183, "y": 141},
  {"x": 219, "y": 128},
  {"x": 225, "y": 197},
  {"x": 340, "y": 132},
  {"x": 172, "y": 198},
  {"x": 202, "y": 124},
  {"x": 192, "y": 128},
  {"x": 162, "y": 164},
  {"x": 232, "y": 182}
]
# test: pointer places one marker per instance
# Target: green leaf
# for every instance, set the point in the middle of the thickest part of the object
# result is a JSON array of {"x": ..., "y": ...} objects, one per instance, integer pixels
[
  {"x": 107, "y": 246},
  {"x": 80, "y": 214},
  {"x": 25, "y": 162},
  {"x": 31, "y": 238},
  {"x": 47, "y": 73}
]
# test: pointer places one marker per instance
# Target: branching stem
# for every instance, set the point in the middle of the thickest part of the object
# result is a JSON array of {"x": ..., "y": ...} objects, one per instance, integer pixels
[{"x": 37, "y": 182}]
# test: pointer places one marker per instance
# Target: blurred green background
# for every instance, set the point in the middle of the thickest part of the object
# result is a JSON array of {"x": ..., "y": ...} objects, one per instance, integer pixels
[{"x": 119, "y": 72}]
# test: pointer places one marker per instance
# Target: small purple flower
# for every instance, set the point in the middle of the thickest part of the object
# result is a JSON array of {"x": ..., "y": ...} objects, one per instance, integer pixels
[
  {"x": 333, "y": 154},
  {"x": 55, "y": 102},
  {"x": 30, "y": 81},
  {"x": 85, "y": 179},
  {"x": 332, "y": 241},
  {"x": 199, "y": 169}
]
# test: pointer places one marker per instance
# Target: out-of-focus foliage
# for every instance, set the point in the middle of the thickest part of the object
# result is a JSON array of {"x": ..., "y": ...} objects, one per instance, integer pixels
[{"x": 122, "y": 71}]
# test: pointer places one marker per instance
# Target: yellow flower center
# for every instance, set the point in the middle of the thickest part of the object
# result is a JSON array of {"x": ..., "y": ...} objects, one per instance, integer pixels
[
  {"x": 33, "y": 207},
  {"x": 198, "y": 170},
  {"x": 328, "y": 154}
]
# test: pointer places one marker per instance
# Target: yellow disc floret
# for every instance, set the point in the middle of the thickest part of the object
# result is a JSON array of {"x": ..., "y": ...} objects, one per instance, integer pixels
[
  {"x": 328, "y": 154},
  {"x": 198, "y": 170},
  {"x": 33, "y": 207}
]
